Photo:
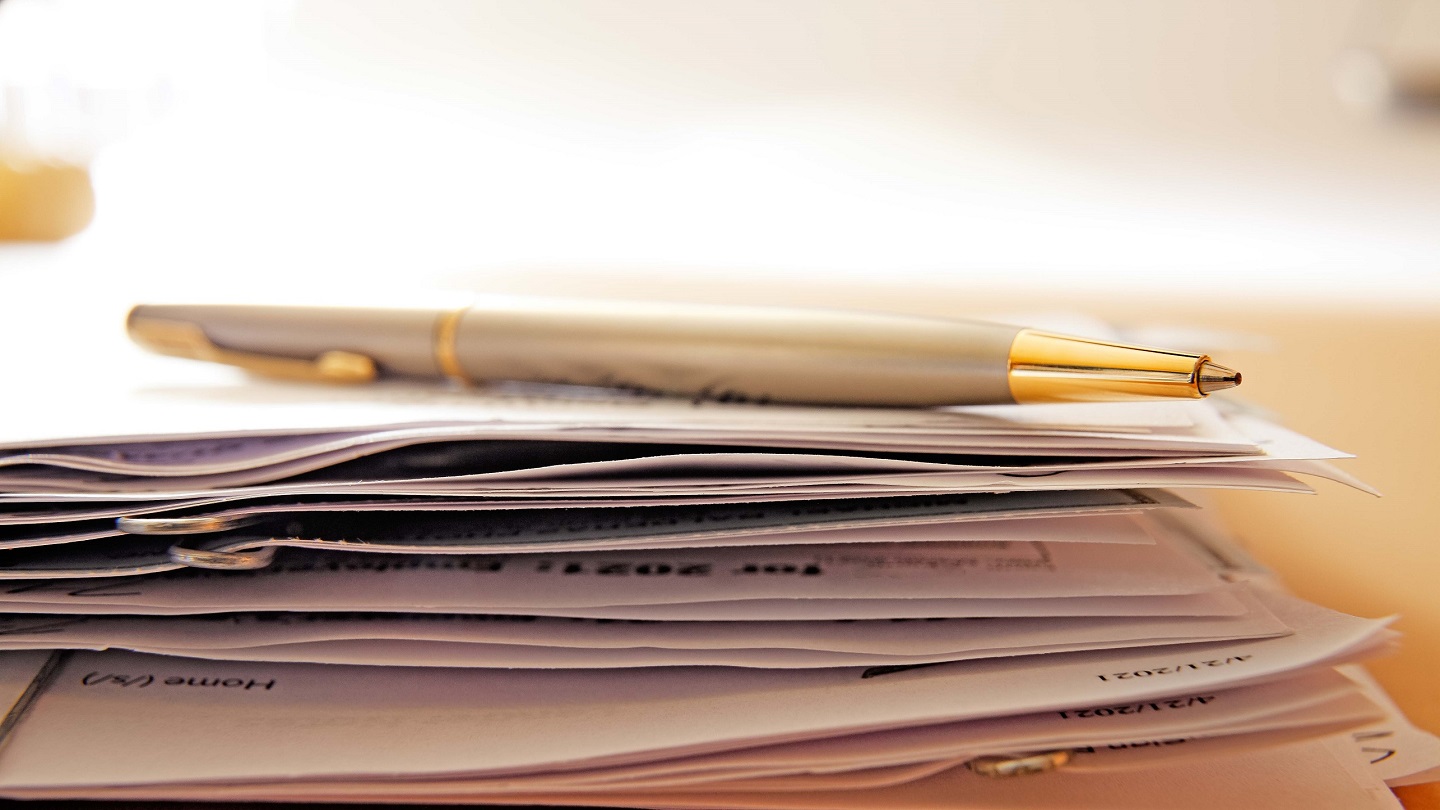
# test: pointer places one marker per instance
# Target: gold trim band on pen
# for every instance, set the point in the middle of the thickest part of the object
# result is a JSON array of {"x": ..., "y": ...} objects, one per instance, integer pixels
[{"x": 447, "y": 355}]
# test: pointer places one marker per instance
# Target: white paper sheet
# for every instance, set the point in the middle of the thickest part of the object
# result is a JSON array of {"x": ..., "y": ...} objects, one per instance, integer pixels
[
  {"x": 794, "y": 481},
  {"x": 273, "y": 717},
  {"x": 1206, "y": 726},
  {"x": 886, "y": 637},
  {"x": 1303, "y": 776},
  {"x": 1299, "y": 702},
  {"x": 873, "y": 570},
  {"x": 288, "y": 458},
  {"x": 159, "y": 400},
  {"x": 955, "y": 517},
  {"x": 1215, "y": 603},
  {"x": 1394, "y": 748},
  {"x": 111, "y": 596},
  {"x": 267, "y": 457},
  {"x": 528, "y": 641},
  {"x": 999, "y": 504}
]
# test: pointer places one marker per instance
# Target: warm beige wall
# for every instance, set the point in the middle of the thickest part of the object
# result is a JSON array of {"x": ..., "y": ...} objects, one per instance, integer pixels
[{"x": 1128, "y": 90}]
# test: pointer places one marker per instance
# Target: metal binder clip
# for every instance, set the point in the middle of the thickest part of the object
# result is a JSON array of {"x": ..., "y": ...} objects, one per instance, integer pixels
[
  {"x": 221, "y": 560},
  {"x": 203, "y": 524},
  {"x": 1000, "y": 766}
]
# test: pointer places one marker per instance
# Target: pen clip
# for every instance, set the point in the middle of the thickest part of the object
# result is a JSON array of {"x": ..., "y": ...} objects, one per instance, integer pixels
[{"x": 182, "y": 339}]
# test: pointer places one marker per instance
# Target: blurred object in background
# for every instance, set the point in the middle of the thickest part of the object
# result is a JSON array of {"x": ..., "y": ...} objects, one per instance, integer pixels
[
  {"x": 75, "y": 77},
  {"x": 50, "y": 123},
  {"x": 42, "y": 199},
  {"x": 1395, "y": 65},
  {"x": 1111, "y": 148}
]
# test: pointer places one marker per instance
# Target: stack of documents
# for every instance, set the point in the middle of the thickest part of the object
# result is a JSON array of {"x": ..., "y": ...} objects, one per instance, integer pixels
[{"x": 262, "y": 591}]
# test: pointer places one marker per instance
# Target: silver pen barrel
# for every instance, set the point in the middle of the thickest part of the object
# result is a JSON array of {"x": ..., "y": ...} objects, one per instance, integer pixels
[{"x": 752, "y": 354}]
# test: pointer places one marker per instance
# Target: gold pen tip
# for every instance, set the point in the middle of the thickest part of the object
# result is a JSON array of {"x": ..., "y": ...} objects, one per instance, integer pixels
[{"x": 1215, "y": 377}]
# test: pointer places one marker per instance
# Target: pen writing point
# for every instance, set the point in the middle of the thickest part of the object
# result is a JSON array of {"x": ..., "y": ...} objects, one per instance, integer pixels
[{"x": 1215, "y": 377}]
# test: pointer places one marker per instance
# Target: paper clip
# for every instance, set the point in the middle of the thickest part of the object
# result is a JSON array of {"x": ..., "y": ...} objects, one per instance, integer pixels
[
  {"x": 1003, "y": 766},
  {"x": 203, "y": 524},
  {"x": 221, "y": 560}
]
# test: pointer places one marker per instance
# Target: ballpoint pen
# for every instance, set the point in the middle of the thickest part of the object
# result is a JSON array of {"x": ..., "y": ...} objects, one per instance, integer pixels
[{"x": 748, "y": 354}]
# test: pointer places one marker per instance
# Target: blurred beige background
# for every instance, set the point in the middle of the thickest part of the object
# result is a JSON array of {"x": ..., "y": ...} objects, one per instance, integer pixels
[{"x": 1175, "y": 147}]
